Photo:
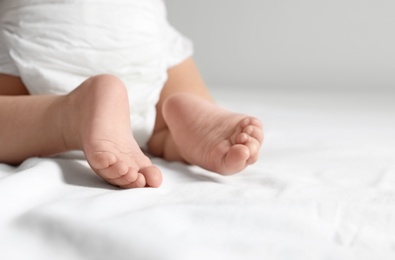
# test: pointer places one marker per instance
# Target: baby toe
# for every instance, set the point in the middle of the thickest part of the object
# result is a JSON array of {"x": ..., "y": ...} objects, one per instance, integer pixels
[
  {"x": 256, "y": 122},
  {"x": 152, "y": 175},
  {"x": 242, "y": 138},
  {"x": 115, "y": 171},
  {"x": 120, "y": 182},
  {"x": 235, "y": 160},
  {"x": 140, "y": 182},
  {"x": 245, "y": 122},
  {"x": 101, "y": 160},
  {"x": 249, "y": 132},
  {"x": 254, "y": 146},
  {"x": 255, "y": 132}
]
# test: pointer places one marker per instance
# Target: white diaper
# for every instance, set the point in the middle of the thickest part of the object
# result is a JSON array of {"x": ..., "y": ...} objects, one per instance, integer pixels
[{"x": 54, "y": 45}]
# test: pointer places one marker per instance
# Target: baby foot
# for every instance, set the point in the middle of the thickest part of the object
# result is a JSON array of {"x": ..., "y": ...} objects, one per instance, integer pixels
[
  {"x": 211, "y": 137},
  {"x": 101, "y": 121},
  {"x": 122, "y": 165}
]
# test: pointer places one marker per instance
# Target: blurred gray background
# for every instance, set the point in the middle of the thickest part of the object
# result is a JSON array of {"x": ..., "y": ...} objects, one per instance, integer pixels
[{"x": 310, "y": 44}]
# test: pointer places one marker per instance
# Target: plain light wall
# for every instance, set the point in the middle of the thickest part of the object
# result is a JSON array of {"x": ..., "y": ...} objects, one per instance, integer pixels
[{"x": 291, "y": 43}]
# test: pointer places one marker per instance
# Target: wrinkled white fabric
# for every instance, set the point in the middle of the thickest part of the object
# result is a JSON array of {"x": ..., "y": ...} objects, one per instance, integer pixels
[
  {"x": 323, "y": 188},
  {"x": 54, "y": 45}
]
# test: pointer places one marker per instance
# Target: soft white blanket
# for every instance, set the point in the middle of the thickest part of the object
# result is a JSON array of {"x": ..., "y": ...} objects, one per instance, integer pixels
[{"x": 324, "y": 188}]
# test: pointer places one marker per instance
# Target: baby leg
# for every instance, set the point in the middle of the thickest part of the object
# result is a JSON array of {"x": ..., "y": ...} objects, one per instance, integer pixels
[
  {"x": 29, "y": 125},
  {"x": 93, "y": 118}
]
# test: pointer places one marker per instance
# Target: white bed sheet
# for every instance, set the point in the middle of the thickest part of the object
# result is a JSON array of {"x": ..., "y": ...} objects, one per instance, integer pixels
[{"x": 323, "y": 188}]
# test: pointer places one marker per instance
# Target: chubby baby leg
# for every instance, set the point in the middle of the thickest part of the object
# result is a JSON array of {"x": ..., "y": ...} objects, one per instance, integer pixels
[
  {"x": 93, "y": 118},
  {"x": 99, "y": 124}
]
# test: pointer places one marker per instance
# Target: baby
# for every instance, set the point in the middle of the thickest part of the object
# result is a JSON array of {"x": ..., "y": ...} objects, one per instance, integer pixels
[{"x": 111, "y": 78}]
